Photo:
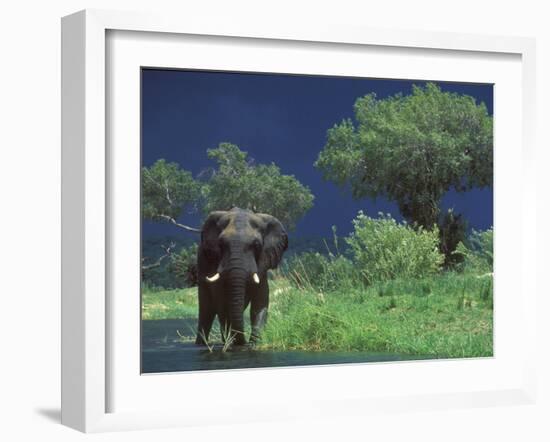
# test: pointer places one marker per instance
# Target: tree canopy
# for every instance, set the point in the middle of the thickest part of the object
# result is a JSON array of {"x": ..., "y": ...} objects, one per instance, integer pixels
[
  {"x": 239, "y": 182},
  {"x": 169, "y": 192},
  {"x": 411, "y": 149}
]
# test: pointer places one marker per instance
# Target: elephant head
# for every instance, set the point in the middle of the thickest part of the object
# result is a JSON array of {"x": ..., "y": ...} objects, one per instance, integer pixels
[{"x": 237, "y": 249}]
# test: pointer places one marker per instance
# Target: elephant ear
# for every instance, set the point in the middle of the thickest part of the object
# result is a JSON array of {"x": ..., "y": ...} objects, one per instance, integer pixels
[
  {"x": 275, "y": 243},
  {"x": 210, "y": 233}
]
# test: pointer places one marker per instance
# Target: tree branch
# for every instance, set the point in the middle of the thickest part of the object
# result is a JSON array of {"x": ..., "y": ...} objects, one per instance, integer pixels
[
  {"x": 168, "y": 252},
  {"x": 181, "y": 226},
  {"x": 166, "y": 188}
]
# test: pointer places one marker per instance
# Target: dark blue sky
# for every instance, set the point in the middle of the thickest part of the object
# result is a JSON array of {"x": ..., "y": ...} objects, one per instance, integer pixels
[{"x": 281, "y": 119}]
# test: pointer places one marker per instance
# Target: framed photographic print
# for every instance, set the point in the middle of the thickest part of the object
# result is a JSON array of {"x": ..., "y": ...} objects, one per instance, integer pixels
[
  {"x": 319, "y": 217},
  {"x": 320, "y": 262}
]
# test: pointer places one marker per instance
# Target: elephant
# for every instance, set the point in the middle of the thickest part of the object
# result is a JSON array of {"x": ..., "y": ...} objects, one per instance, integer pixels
[{"x": 237, "y": 249}]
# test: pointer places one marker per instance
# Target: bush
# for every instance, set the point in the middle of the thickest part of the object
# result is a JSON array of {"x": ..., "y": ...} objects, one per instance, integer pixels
[
  {"x": 384, "y": 249},
  {"x": 477, "y": 252},
  {"x": 320, "y": 272},
  {"x": 184, "y": 266}
]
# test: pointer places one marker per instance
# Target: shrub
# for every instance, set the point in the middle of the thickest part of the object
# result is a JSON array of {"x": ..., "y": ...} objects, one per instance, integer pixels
[
  {"x": 184, "y": 266},
  {"x": 384, "y": 249},
  {"x": 320, "y": 272},
  {"x": 477, "y": 251}
]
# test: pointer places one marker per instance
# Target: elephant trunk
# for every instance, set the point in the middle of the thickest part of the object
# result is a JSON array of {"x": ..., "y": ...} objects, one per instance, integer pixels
[{"x": 236, "y": 288}]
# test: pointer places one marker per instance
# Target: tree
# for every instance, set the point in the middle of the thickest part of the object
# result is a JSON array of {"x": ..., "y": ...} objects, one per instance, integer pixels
[
  {"x": 239, "y": 182},
  {"x": 168, "y": 250},
  {"x": 167, "y": 191},
  {"x": 412, "y": 150}
]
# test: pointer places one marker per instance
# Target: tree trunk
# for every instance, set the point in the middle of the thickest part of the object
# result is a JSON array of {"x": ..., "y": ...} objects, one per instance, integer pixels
[{"x": 422, "y": 212}]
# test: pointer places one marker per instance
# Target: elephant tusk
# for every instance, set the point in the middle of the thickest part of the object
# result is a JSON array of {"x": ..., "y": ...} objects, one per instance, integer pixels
[
  {"x": 256, "y": 278},
  {"x": 213, "y": 278}
]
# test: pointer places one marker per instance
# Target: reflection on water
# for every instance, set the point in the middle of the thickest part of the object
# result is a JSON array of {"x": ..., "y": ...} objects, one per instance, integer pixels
[{"x": 162, "y": 351}]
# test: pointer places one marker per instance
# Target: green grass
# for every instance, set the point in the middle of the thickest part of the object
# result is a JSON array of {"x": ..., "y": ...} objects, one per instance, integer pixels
[
  {"x": 447, "y": 315},
  {"x": 169, "y": 304},
  {"x": 443, "y": 316}
]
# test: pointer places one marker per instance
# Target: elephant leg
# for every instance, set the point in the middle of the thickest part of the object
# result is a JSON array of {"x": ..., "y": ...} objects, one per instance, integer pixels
[
  {"x": 258, "y": 310},
  {"x": 207, "y": 313}
]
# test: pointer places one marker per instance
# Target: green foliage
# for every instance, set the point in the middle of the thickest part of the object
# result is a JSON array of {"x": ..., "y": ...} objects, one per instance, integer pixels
[
  {"x": 184, "y": 266},
  {"x": 417, "y": 317},
  {"x": 168, "y": 190},
  {"x": 238, "y": 182},
  {"x": 158, "y": 278},
  {"x": 320, "y": 272},
  {"x": 411, "y": 149},
  {"x": 477, "y": 252},
  {"x": 384, "y": 249},
  {"x": 165, "y": 275},
  {"x": 155, "y": 263},
  {"x": 446, "y": 315},
  {"x": 325, "y": 271}
]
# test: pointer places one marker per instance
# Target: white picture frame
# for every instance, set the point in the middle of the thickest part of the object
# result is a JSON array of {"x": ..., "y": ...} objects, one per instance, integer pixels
[{"x": 87, "y": 206}]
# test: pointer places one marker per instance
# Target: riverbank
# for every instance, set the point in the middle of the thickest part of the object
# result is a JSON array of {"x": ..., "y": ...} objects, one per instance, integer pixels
[{"x": 446, "y": 316}]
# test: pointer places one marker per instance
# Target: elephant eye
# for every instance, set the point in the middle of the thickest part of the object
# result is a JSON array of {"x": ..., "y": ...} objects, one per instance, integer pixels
[{"x": 257, "y": 245}]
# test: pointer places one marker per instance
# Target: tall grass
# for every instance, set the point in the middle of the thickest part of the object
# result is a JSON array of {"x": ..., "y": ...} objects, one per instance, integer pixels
[
  {"x": 448, "y": 315},
  {"x": 314, "y": 271},
  {"x": 442, "y": 316}
]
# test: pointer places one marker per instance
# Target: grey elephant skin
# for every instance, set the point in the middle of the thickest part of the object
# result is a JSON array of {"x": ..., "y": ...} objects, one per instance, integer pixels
[{"x": 237, "y": 249}]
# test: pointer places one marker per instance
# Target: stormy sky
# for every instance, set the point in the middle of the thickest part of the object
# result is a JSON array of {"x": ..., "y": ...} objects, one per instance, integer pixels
[{"x": 281, "y": 119}]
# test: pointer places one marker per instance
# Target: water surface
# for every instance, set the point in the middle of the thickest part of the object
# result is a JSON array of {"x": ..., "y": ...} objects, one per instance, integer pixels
[{"x": 163, "y": 351}]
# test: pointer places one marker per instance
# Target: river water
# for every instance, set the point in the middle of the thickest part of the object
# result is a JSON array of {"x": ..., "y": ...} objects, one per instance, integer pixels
[{"x": 163, "y": 351}]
